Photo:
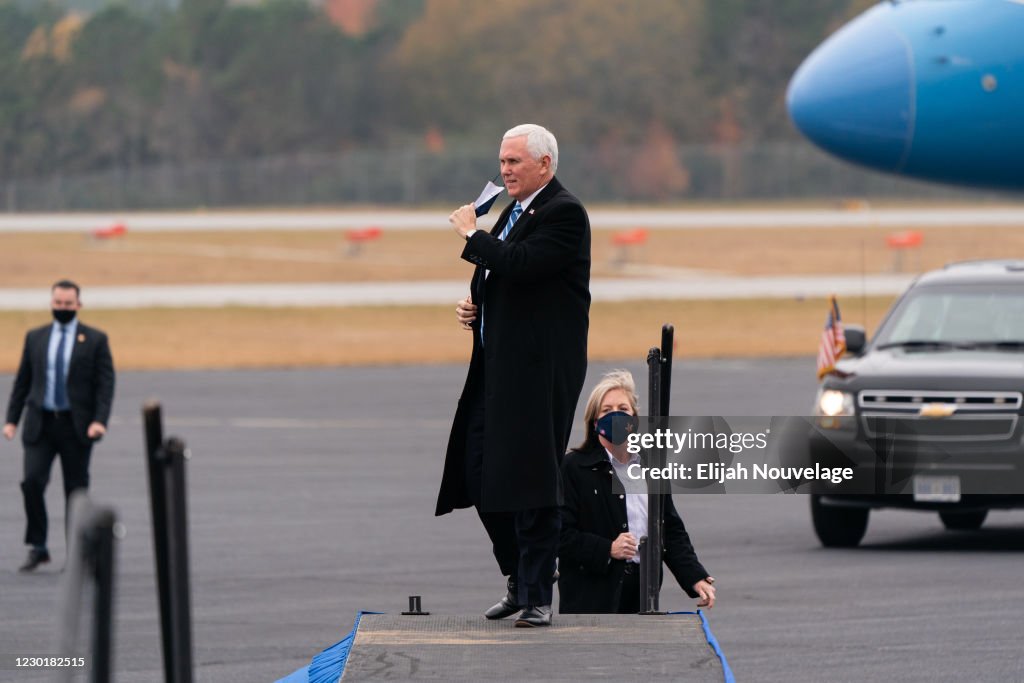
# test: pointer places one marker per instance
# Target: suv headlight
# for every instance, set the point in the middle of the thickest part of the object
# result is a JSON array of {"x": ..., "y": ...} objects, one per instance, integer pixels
[{"x": 833, "y": 403}]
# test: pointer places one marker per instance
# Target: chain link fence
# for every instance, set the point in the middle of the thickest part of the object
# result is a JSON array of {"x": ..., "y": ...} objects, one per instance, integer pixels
[{"x": 412, "y": 176}]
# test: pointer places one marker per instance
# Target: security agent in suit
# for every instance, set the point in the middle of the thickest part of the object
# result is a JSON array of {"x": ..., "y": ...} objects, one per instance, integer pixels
[
  {"x": 529, "y": 315},
  {"x": 65, "y": 387},
  {"x": 604, "y": 515}
]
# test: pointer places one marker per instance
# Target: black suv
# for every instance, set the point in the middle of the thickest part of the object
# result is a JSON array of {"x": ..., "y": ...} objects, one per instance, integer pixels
[{"x": 929, "y": 412}]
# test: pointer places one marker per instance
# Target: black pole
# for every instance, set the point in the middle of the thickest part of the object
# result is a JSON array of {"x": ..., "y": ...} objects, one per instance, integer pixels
[
  {"x": 650, "y": 569},
  {"x": 154, "y": 434},
  {"x": 103, "y": 610},
  {"x": 174, "y": 454},
  {"x": 90, "y": 558},
  {"x": 665, "y": 395},
  {"x": 644, "y": 551},
  {"x": 166, "y": 463},
  {"x": 667, "y": 343}
]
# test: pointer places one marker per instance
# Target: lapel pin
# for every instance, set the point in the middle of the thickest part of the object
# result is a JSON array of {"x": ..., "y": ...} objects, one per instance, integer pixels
[
  {"x": 81, "y": 338},
  {"x": 531, "y": 211}
]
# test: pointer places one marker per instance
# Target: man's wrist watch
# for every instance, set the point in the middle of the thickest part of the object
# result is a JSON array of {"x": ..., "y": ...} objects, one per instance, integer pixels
[{"x": 469, "y": 233}]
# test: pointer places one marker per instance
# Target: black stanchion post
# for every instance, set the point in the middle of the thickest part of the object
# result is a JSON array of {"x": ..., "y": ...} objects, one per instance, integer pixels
[
  {"x": 90, "y": 557},
  {"x": 174, "y": 454},
  {"x": 154, "y": 434},
  {"x": 166, "y": 463},
  {"x": 643, "y": 550},
  {"x": 667, "y": 344},
  {"x": 103, "y": 612},
  {"x": 651, "y": 568}
]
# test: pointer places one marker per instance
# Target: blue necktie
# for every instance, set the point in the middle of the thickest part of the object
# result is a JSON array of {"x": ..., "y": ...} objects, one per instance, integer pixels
[
  {"x": 60, "y": 398},
  {"x": 517, "y": 211}
]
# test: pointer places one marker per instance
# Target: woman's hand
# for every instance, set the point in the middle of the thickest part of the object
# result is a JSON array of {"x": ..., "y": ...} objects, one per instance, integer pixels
[
  {"x": 624, "y": 547},
  {"x": 706, "y": 591}
]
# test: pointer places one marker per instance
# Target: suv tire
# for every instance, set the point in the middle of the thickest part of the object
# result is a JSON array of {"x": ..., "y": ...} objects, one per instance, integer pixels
[
  {"x": 963, "y": 521},
  {"x": 838, "y": 526}
]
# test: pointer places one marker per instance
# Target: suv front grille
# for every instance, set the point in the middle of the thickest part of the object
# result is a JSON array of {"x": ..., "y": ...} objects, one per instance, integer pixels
[{"x": 946, "y": 415}]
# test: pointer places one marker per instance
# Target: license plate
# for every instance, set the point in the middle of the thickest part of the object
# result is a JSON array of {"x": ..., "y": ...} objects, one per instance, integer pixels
[{"x": 933, "y": 489}]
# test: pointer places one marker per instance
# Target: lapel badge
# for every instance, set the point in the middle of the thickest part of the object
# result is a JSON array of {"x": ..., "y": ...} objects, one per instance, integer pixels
[
  {"x": 81, "y": 338},
  {"x": 531, "y": 211}
]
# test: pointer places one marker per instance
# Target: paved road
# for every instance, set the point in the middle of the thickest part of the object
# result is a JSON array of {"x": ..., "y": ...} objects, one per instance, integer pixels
[
  {"x": 311, "y": 497},
  {"x": 990, "y": 215},
  {"x": 701, "y": 286}
]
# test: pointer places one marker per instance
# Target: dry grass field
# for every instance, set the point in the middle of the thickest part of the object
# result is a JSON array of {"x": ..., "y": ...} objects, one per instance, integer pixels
[
  {"x": 35, "y": 260},
  {"x": 294, "y": 337},
  {"x": 255, "y": 337}
]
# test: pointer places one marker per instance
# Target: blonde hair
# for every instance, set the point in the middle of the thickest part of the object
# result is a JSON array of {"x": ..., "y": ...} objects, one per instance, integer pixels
[{"x": 610, "y": 381}]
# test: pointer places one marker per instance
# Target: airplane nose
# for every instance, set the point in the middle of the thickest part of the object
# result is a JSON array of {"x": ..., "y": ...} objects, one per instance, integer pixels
[{"x": 853, "y": 96}]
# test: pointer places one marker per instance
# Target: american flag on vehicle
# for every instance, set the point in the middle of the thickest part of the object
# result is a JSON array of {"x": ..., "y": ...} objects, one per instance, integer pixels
[{"x": 833, "y": 341}]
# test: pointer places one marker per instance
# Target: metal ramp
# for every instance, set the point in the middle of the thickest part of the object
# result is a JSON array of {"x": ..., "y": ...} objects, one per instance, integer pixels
[{"x": 671, "y": 647}]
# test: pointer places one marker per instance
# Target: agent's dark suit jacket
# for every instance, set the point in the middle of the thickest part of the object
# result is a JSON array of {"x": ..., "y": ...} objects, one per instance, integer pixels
[
  {"x": 593, "y": 516},
  {"x": 90, "y": 384},
  {"x": 536, "y": 307}
]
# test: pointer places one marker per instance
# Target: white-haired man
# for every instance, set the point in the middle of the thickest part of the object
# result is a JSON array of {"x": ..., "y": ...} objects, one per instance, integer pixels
[{"x": 528, "y": 310}]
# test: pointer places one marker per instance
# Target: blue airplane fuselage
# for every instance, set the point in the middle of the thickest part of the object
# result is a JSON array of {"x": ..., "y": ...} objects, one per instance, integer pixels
[{"x": 931, "y": 89}]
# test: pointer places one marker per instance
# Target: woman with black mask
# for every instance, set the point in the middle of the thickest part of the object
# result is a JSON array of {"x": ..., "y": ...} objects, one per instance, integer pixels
[{"x": 605, "y": 514}]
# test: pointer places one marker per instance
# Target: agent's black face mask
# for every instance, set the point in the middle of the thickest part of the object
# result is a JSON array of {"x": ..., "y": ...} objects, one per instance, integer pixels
[{"x": 63, "y": 315}]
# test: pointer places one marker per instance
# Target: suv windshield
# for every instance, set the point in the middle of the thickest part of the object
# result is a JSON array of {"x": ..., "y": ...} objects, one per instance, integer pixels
[{"x": 957, "y": 316}]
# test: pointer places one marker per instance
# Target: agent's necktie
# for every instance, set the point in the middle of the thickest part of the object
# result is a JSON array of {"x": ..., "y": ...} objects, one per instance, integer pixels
[{"x": 60, "y": 394}]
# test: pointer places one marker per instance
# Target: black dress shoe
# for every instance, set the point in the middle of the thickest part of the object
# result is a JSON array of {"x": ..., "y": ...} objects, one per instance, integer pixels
[
  {"x": 34, "y": 559},
  {"x": 507, "y": 606},
  {"x": 534, "y": 615}
]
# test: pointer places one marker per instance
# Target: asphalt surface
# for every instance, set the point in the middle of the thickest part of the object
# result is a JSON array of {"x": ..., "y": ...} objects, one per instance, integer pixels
[{"x": 312, "y": 494}]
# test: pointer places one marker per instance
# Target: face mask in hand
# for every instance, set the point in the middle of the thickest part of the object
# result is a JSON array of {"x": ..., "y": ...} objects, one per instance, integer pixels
[
  {"x": 63, "y": 315},
  {"x": 617, "y": 426}
]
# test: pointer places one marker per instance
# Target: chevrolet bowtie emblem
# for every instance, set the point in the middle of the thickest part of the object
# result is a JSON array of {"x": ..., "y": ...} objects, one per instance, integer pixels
[{"x": 937, "y": 410}]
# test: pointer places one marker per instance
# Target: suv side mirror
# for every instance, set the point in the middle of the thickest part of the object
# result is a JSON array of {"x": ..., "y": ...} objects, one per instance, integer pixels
[{"x": 855, "y": 338}]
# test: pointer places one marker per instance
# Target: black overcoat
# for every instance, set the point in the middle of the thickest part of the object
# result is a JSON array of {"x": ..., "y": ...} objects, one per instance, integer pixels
[
  {"x": 90, "y": 382},
  {"x": 533, "y": 359},
  {"x": 593, "y": 515}
]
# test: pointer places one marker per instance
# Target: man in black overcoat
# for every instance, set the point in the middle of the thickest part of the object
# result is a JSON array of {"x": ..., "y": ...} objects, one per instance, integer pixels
[
  {"x": 65, "y": 389},
  {"x": 528, "y": 310}
]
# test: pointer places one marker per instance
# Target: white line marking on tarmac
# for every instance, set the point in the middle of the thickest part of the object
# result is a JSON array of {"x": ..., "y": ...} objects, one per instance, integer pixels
[
  {"x": 657, "y": 219},
  {"x": 443, "y": 292},
  {"x": 286, "y": 423}
]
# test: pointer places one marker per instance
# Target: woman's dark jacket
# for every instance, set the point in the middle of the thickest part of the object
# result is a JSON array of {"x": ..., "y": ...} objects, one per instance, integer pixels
[{"x": 592, "y": 517}]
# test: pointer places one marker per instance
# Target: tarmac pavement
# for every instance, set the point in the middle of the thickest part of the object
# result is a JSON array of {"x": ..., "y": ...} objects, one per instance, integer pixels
[{"x": 311, "y": 496}]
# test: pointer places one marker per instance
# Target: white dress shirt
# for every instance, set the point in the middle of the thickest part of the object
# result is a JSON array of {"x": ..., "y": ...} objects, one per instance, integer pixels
[
  {"x": 636, "y": 497},
  {"x": 526, "y": 202}
]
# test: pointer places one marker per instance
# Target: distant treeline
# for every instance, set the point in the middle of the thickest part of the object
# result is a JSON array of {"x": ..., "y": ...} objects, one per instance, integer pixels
[{"x": 139, "y": 83}]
